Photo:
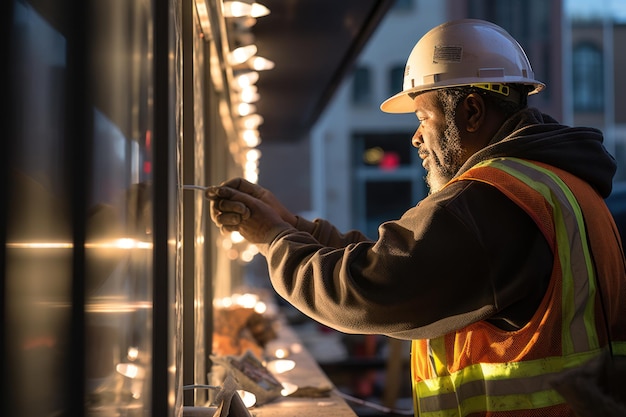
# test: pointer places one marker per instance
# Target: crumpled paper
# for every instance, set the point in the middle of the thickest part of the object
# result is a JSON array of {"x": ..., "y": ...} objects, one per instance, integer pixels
[
  {"x": 230, "y": 403},
  {"x": 226, "y": 403},
  {"x": 250, "y": 375}
]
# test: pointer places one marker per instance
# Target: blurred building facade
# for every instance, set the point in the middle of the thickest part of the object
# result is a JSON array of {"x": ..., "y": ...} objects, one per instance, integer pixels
[
  {"x": 596, "y": 62},
  {"x": 364, "y": 169}
]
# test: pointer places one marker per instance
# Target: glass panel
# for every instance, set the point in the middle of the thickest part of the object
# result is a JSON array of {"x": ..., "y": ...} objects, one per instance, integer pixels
[
  {"x": 119, "y": 230},
  {"x": 588, "y": 78},
  {"x": 396, "y": 78},
  {"x": 38, "y": 274},
  {"x": 54, "y": 332},
  {"x": 402, "y": 5},
  {"x": 361, "y": 86}
]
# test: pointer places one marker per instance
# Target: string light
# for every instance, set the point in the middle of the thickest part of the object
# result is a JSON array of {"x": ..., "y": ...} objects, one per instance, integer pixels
[
  {"x": 243, "y": 9},
  {"x": 244, "y": 109},
  {"x": 258, "y": 63},
  {"x": 242, "y": 54},
  {"x": 251, "y": 137},
  {"x": 245, "y": 79}
]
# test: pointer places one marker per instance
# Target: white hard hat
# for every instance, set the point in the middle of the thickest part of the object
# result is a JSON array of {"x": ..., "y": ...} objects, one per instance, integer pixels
[{"x": 462, "y": 52}]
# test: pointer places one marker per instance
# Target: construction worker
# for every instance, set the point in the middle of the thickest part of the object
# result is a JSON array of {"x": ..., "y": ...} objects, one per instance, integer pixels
[{"x": 509, "y": 276}]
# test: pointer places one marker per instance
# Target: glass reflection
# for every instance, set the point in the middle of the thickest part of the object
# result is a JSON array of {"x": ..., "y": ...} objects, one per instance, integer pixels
[{"x": 41, "y": 310}]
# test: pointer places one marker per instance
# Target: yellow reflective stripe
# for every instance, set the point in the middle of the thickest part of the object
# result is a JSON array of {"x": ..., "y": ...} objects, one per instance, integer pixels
[
  {"x": 571, "y": 287},
  {"x": 589, "y": 315},
  {"x": 440, "y": 413},
  {"x": 414, "y": 359},
  {"x": 618, "y": 348},
  {"x": 437, "y": 356},
  {"x": 482, "y": 387},
  {"x": 500, "y": 404}
]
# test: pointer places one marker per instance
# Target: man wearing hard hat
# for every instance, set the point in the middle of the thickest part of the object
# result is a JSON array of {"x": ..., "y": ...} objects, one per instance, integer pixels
[{"x": 507, "y": 278}]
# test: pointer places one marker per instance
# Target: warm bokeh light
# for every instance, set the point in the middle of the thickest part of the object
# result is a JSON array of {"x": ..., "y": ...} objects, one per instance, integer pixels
[
  {"x": 280, "y": 366},
  {"x": 245, "y": 79},
  {"x": 288, "y": 389},
  {"x": 259, "y": 63},
  {"x": 251, "y": 137},
  {"x": 252, "y": 121},
  {"x": 130, "y": 370},
  {"x": 248, "y": 398},
  {"x": 242, "y": 54},
  {"x": 243, "y": 9}
]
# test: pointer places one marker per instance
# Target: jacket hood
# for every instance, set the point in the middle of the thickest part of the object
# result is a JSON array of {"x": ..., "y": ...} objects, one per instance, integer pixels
[{"x": 530, "y": 134}]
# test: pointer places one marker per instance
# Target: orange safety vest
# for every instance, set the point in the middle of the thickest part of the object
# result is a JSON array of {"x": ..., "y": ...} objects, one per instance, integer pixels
[{"x": 483, "y": 370}]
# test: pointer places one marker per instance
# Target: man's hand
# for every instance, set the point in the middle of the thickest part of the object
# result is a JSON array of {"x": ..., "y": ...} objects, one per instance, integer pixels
[
  {"x": 262, "y": 194},
  {"x": 238, "y": 205}
]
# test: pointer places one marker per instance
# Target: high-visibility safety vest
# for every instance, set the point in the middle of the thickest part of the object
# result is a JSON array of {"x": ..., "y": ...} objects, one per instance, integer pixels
[{"x": 484, "y": 370}]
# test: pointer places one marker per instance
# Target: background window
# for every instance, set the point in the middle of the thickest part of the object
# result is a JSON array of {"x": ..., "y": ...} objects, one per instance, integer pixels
[
  {"x": 361, "y": 86},
  {"x": 396, "y": 78},
  {"x": 388, "y": 179},
  {"x": 588, "y": 88},
  {"x": 402, "y": 5}
]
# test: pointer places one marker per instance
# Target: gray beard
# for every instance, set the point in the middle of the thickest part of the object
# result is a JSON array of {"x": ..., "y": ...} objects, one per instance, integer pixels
[{"x": 444, "y": 170}]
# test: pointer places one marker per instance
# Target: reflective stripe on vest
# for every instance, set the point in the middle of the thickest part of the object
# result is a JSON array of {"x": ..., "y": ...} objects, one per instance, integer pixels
[{"x": 525, "y": 384}]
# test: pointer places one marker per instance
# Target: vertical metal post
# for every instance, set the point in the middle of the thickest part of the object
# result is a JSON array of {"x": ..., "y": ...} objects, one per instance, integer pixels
[
  {"x": 161, "y": 217},
  {"x": 79, "y": 128}
]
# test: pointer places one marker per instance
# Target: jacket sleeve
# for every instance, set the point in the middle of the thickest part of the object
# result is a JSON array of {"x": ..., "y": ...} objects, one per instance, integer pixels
[
  {"x": 327, "y": 234},
  {"x": 392, "y": 286},
  {"x": 431, "y": 272}
]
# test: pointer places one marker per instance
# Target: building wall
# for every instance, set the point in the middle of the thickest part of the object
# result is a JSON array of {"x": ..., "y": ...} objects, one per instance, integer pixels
[
  {"x": 608, "y": 37},
  {"x": 537, "y": 26},
  {"x": 590, "y": 33},
  {"x": 323, "y": 186},
  {"x": 285, "y": 168},
  {"x": 619, "y": 60},
  {"x": 331, "y": 138}
]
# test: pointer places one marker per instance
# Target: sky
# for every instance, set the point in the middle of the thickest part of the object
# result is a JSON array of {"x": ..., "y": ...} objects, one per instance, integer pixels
[{"x": 616, "y": 8}]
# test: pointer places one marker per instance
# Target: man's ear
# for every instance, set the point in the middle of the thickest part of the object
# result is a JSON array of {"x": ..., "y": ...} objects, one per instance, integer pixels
[{"x": 475, "y": 110}]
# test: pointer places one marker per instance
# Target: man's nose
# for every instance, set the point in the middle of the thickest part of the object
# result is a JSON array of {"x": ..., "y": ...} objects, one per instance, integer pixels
[{"x": 417, "y": 140}]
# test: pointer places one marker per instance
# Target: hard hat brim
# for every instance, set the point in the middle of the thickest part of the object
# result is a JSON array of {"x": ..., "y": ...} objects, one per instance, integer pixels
[
  {"x": 399, "y": 103},
  {"x": 402, "y": 103}
]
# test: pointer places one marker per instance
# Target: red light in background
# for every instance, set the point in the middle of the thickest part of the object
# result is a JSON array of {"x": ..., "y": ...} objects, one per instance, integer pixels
[
  {"x": 148, "y": 139},
  {"x": 147, "y": 165},
  {"x": 390, "y": 161}
]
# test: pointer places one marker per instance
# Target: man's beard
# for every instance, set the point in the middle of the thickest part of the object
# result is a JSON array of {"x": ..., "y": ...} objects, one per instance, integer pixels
[{"x": 443, "y": 170}]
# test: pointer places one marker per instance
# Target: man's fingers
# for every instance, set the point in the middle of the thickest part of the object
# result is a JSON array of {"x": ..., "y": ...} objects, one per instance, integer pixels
[
  {"x": 212, "y": 192},
  {"x": 232, "y": 206},
  {"x": 232, "y": 183},
  {"x": 228, "y": 229},
  {"x": 237, "y": 184},
  {"x": 242, "y": 211},
  {"x": 229, "y": 207},
  {"x": 233, "y": 195},
  {"x": 228, "y": 219},
  {"x": 246, "y": 214},
  {"x": 229, "y": 212},
  {"x": 249, "y": 188},
  {"x": 216, "y": 192}
]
